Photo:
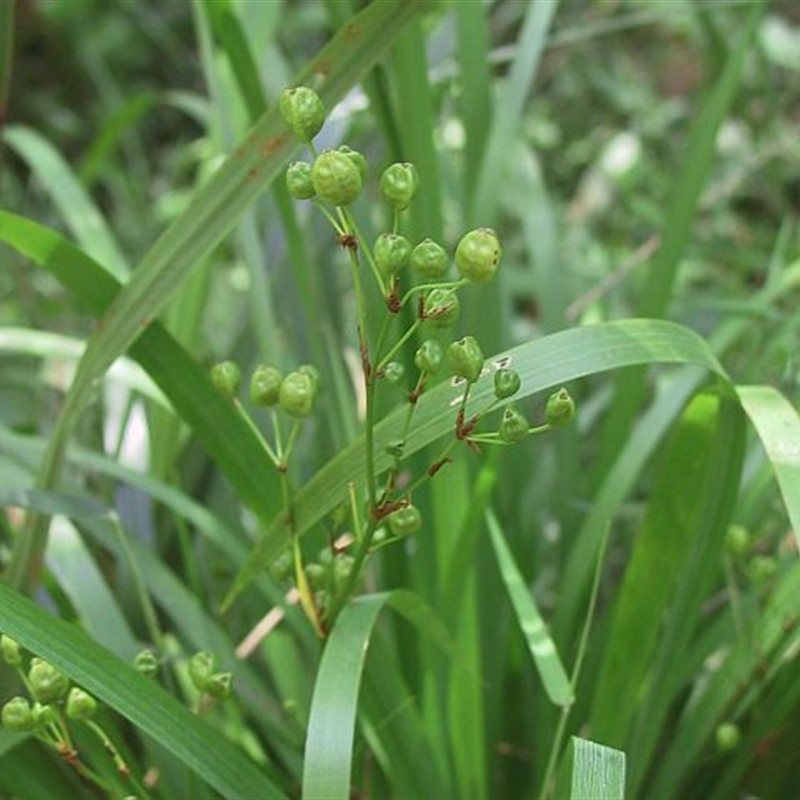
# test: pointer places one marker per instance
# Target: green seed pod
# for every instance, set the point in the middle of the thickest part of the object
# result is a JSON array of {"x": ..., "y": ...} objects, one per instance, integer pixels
[
  {"x": 442, "y": 308},
  {"x": 313, "y": 373},
  {"x": 80, "y": 704},
  {"x": 281, "y": 568},
  {"x": 336, "y": 178},
  {"x": 559, "y": 409},
  {"x": 298, "y": 180},
  {"x": 357, "y": 158},
  {"x": 265, "y": 385},
  {"x": 220, "y": 685},
  {"x": 513, "y": 426},
  {"x": 17, "y": 716},
  {"x": 761, "y": 568},
  {"x": 392, "y": 252},
  {"x": 9, "y": 649},
  {"x": 737, "y": 540},
  {"x": 728, "y": 736},
  {"x": 429, "y": 260},
  {"x": 316, "y": 575},
  {"x": 394, "y": 372},
  {"x": 465, "y": 358},
  {"x": 405, "y": 521},
  {"x": 227, "y": 377},
  {"x": 399, "y": 184},
  {"x": 147, "y": 663},
  {"x": 43, "y": 715},
  {"x": 478, "y": 255},
  {"x": 46, "y": 682},
  {"x": 303, "y": 111},
  {"x": 506, "y": 383},
  {"x": 342, "y": 569},
  {"x": 202, "y": 666},
  {"x": 297, "y": 394},
  {"x": 395, "y": 447},
  {"x": 428, "y": 357}
]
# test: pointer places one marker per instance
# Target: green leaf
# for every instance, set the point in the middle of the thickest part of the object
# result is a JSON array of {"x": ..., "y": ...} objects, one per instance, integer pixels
[
  {"x": 143, "y": 702},
  {"x": 540, "y": 644},
  {"x": 778, "y": 426},
  {"x": 334, "y": 706},
  {"x": 544, "y": 363},
  {"x": 592, "y": 771}
]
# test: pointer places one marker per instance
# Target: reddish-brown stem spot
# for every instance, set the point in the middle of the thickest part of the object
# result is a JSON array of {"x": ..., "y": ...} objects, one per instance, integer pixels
[
  {"x": 437, "y": 465},
  {"x": 387, "y": 507},
  {"x": 348, "y": 241},
  {"x": 273, "y": 144},
  {"x": 365, "y": 362}
]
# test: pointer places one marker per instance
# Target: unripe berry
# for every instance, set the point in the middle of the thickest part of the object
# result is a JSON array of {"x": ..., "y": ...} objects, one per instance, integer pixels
[
  {"x": 17, "y": 716},
  {"x": 10, "y": 651},
  {"x": 513, "y": 426},
  {"x": 394, "y": 372},
  {"x": 297, "y": 394},
  {"x": 442, "y": 308},
  {"x": 728, "y": 736},
  {"x": 559, "y": 409},
  {"x": 465, "y": 358},
  {"x": 399, "y": 184},
  {"x": 298, "y": 180},
  {"x": 405, "y": 521},
  {"x": 428, "y": 357},
  {"x": 506, "y": 383},
  {"x": 80, "y": 704},
  {"x": 227, "y": 377},
  {"x": 336, "y": 178},
  {"x": 429, "y": 260},
  {"x": 47, "y": 683},
  {"x": 303, "y": 111},
  {"x": 478, "y": 255},
  {"x": 392, "y": 252},
  {"x": 265, "y": 385},
  {"x": 357, "y": 158},
  {"x": 737, "y": 540}
]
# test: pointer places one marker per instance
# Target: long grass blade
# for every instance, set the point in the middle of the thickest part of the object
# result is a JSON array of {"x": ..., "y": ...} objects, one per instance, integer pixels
[
  {"x": 551, "y": 361},
  {"x": 545, "y": 656}
]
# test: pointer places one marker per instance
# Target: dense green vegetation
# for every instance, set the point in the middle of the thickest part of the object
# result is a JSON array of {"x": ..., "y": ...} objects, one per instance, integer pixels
[{"x": 582, "y": 587}]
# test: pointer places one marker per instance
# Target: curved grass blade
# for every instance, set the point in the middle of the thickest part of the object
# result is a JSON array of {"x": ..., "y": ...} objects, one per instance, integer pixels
[
  {"x": 778, "y": 426},
  {"x": 544, "y": 363},
  {"x": 143, "y": 702},
  {"x": 334, "y": 706},
  {"x": 540, "y": 644}
]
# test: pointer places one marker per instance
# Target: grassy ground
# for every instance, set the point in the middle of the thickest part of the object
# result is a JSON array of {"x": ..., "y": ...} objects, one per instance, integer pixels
[{"x": 607, "y": 608}]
